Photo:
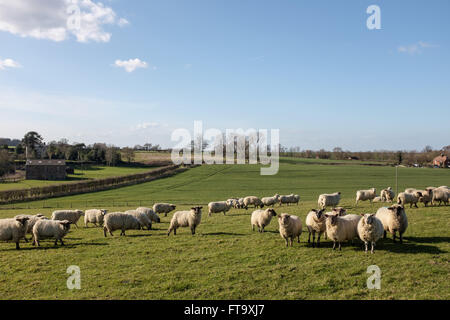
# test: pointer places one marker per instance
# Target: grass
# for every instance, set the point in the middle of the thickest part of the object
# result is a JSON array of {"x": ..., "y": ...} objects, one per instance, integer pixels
[{"x": 225, "y": 259}]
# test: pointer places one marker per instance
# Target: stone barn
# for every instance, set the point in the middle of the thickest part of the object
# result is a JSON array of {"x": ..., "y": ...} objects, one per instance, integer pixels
[{"x": 45, "y": 169}]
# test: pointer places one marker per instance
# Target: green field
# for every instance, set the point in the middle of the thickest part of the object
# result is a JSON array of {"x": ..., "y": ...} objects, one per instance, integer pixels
[
  {"x": 225, "y": 259},
  {"x": 90, "y": 172}
]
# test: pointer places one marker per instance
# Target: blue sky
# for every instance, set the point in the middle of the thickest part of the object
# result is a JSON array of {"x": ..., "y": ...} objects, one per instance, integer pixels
[{"x": 309, "y": 68}]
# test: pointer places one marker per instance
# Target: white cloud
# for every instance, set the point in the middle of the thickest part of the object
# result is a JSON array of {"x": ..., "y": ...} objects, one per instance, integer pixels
[
  {"x": 415, "y": 48},
  {"x": 131, "y": 64},
  {"x": 123, "y": 22},
  {"x": 8, "y": 63},
  {"x": 56, "y": 20}
]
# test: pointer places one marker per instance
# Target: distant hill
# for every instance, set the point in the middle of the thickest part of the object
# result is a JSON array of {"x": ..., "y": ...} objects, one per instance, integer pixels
[{"x": 9, "y": 142}]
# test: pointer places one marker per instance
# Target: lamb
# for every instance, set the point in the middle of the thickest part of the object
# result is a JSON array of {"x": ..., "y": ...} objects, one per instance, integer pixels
[
  {"x": 290, "y": 227},
  {"x": 163, "y": 208},
  {"x": 150, "y": 213},
  {"x": 342, "y": 228},
  {"x": 411, "y": 198},
  {"x": 120, "y": 220},
  {"x": 13, "y": 229},
  {"x": 370, "y": 229},
  {"x": 252, "y": 200},
  {"x": 442, "y": 195},
  {"x": 219, "y": 206},
  {"x": 363, "y": 195},
  {"x": 142, "y": 217},
  {"x": 315, "y": 222},
  {"x": 190, "y": 218},
  {"x": 387, "y": 195},
  {"x": 394, "y": 220},
  {"x": 95, "y": 216},
  {"x": 329, "y": 200},
  {"x": 71, "y": 215},
  {"x": 50, "y": 229},
  {"x": 270, "y": 201},
  {"x": 262, "y": 218}
]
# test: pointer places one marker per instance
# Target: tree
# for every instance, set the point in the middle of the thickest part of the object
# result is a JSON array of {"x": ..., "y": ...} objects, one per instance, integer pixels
[
  {"x": 112, "y": 155},
  {"x": 6, "y": 164},
  {"x": 32, "y": 140},
  {"x": 399, "y": 157},
  {"x": 128, "y": 154},
  {"x": 427, "y": 149}
]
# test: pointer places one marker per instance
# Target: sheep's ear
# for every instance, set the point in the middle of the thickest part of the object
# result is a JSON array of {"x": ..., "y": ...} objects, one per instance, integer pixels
[
  {"x": 314, "y": 210},
  {"x": 361, "y": 214}
]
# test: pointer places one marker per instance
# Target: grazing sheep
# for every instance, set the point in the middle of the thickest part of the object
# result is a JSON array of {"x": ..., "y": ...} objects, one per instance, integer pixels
[
  {"x": 163, "y": 208},
  {"x": 233, "y": 202},
  {"x": 32, "y": 219},
  {"x": 270, "y": 201},
  {"x": 292, "y": 198},
  {"x": 241, "y": 203},
  {"x": 426, "y": 196},
  {"x": 370, "y": 229},
  {"x": 404, "y": 198},
  {"x": 262, "y": 218},
  {"x": 329, "y": 200},
  {"x": 442, "y": 195},
  {"x": 13, "y": 229},
  {"x": 219, "y": 206},
  {"x": 290, "y": 227},
  {"x": 387, "y": 195},
  {"x": 50, "y": 229},
  {"x": 342, "y": 228},
  {"x": 71, "y": 215},
  {"x": 142, "y": 217},
  {"x": 316, "y": 223},
  {"x": 190, "y": 218},
  {"x": 252, "y": 200},
  {"x": 95, "y": 216},
  {"x": 150, "y": 213},
  {"x": 393, "y": 219},
  {"x": 120, "y": 221},
  {"x": 363, "y": 195}
]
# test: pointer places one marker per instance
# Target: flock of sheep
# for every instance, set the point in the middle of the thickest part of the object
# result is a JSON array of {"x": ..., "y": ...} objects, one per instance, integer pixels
[{"x": 337, "y": 225}]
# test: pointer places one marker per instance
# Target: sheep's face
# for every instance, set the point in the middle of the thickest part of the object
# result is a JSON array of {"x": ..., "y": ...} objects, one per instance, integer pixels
[
  {"x": 173, "y": 207},
  {"x": 340, "y": 211},
  {"x": 104, "y": 211},
  {"x": 418, "y": 194},
  {"x": 197, "y": 210},
  {"x": 333, "y": 218},
  {"x": 368, "y": 218},
  {"x": 397, "y": 209},
  {"x": 319, "y": 214},
  {"x": 22, "y": 220},
  {"x": 284, "y": 219},
  {"x": 272, "y": 212},
  {"x": 65, "y": 224}
]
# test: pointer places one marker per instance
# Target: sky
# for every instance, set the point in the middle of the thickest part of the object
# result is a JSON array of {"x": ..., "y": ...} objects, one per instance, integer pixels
[{"x": 128, "y": 72}]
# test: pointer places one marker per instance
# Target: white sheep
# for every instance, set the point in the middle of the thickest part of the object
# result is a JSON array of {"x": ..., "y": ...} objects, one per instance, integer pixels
[
  {"x": 378, "y": 199},
  {"x": 252, "y": 200},
  {"x": 426, "y": 196},
  {"x": 13, "y": 229},
  {"x": 410, "y": 190},
  {"x": 219, "y": 206},
  {"x": 120, "y": 221},
  {"x": 329, "y": 200},
  {"x": 290, "y": 227},
  {"x": 32, "y": 219},
  {"x": 370, "y": 229},
  {"x": 95, "y": 216},
  {"x": 71, "y": 215},
  {"x": 189, "y": 218},
  {"x": 150, "y": 213},
  {"x": 44, "y": 229},
  {"x": 340, "y": 211},
  {"x": 163, "y": 208},
  {"x": 287, "y": 199},
  {"x": 363, "y": 195},
  {"x": 394, "y": 220},
  {"x": 233, "y": 202},
  {"x": 142, "y": 217},
  {"x": 404, "y": 198},
  {"x": 241, "y": 203},
  {"x": 262, "y": 218},
  {"x": 442, "y": 195},
  {"x": 342, "y": 228},
  {"x": 270, "y": 201},
  {"x": 387, "y": 195},
  {"x": 316, "y": 223}
]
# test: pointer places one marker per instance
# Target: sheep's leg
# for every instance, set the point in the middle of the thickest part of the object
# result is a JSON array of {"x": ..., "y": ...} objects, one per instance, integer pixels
[
  {"x": 25, "y": 238},
  {"x": 334, "y": 245},
  {"x": 253, "y": 227},
  {"x": 373, "y": 247},
  {"x": 318, "y": 240},
  {"x": 262, "y": 228},
  {"x": 62, "y": 243},
  {"x": 104, "y": 231},
  {"x": 174, "y": 231},
  {"x": 401, "y": 237},
  {"x": 309, "y": 237},
  {"x": 287, "y": 243},
  {"x": 393, "y": 235},
  {"x": 298, "y": 239},
  {"x": 385, "y": 235},
  {"x": 56, "y": 242},
  {"x": 314, "y": 238},
  {"x": 365, "y": 244},
  {"x": 292, "y": 241},
  {"x": 340, "y": 246},
  {"x": 76, "y": 225},
  {"x": 17, "y": 245}
]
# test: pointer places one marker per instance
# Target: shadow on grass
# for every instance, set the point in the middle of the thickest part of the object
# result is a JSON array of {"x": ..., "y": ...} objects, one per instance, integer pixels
[
  {"x": 407, "y": 248},
  {"x": 49, "y": 245},
  {"x": 223, "y": 234},
  {"x": 428, "y": 239}
]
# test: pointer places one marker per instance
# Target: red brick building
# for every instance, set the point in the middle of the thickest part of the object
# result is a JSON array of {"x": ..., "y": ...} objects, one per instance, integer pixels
[{"x": 441, "y": 161}]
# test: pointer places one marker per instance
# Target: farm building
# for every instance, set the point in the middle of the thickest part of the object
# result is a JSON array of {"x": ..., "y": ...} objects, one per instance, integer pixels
[
  {"x": 441, "y": 161},
  {"x": 45, "y": 169}
]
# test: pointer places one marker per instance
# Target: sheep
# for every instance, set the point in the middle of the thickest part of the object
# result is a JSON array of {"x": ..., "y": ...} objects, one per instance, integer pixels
[
  {"x": 142, "y": 217},
  {"x": 410, "y": 190},
  {"x": 315, "y": 222},
  {"x": 240, "y": 204},
  {"x": 189, "y": 218},
  {"x": 342, "y": 228},
  {"x": 32, "y": 219},
  {"x": 427, "y": 196},
  {"x": 378, "y": 199},
  {"x": 163, "y": 208},
  {"x": 95, "y": 216},
  {"x": 233, "y": 202},
  {"x": 262, "y": 218},
  {"x": 13, "y": 229},
  {"x": 150, "y": 213},
  {"x": 404, "y": 198},
  {"x": 290, "y": 227},
  {"x": 252, "y": 200},
  {"x": 339, "y": 211},
  {"x": 270, "y": 201},
  {"x": 120, "y": 220},
  {"x": 50, "y": 229},
  {"x": 219, "y": 206},
  {"x": 295, "y": 198},
  {"x": 370, "y": 229},
  {"x": 387, "y": 195},
  {"x": 363, "y": 195},
  {"x": 329, "y": 200},
  {"x": 292, "y": 198},
  {"x": 394, "y": 220},
  {"x": 71, "y": 215},
  {"x": 442, "y": 195}
]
